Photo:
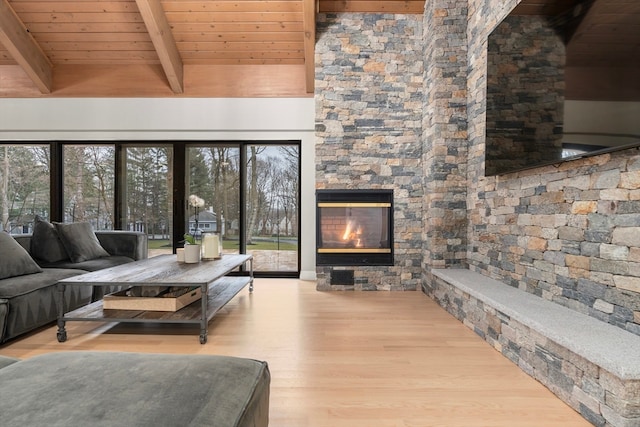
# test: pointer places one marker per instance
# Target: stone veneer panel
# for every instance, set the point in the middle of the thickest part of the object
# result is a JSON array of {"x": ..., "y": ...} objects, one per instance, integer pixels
[
  {"x": 599, "y": 396},
  {"x": 401, "y": 104},
  {"x": 391, "y": 115},
  {"x": 368, "y": 127},
  {"x": 445, "y": 133}
]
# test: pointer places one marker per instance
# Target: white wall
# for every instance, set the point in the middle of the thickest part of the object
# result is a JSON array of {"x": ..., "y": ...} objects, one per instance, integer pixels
[{"x": 186, "y": 119}]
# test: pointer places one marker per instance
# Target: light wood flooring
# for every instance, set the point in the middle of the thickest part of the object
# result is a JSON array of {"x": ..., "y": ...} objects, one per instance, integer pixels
[{"x": 345, "y": 359}]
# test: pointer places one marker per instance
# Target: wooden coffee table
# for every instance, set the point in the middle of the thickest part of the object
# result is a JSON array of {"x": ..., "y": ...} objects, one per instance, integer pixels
[{"x": 216, "y": 285}]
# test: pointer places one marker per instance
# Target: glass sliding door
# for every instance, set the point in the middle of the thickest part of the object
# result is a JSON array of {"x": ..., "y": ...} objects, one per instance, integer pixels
[
  {"x": 24, "y": 186},
  {"x": 272, "y": 206},
  {"x": 214, "y": 177},
  {"x": 251, "y": 195},
  {"x": 250, "y": 192},
  {"x": 88, "y": 184},
  {"x": 147, "y": 198}
]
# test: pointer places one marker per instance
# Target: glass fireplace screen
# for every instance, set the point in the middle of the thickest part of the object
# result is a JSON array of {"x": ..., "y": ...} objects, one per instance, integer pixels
[
  {"x": 354, "y": 227},
  {"x": 355, "y": 232}
]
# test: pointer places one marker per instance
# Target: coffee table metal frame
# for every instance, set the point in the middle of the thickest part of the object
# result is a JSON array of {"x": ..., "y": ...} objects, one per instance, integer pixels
[{"x": 216, "y": 285}]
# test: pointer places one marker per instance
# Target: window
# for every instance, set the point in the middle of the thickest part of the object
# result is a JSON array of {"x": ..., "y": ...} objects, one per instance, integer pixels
[
  {"x": 251, "y": 194},
  {"x": 148, "y": 195},
  {"x": 250, "y": 189},
  {"x": 214, "y": 176},
  {"x": 272, "y": 195},
  {"x": 24, "y": 186},
  {"x": 89, "y": 173}
]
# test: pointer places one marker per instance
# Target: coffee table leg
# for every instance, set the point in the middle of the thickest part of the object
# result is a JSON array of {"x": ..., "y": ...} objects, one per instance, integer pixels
[
  {"x": 62, "y": 332},
  {"x": 251, "y": 275},
  {"x": 203, "y": 314}
]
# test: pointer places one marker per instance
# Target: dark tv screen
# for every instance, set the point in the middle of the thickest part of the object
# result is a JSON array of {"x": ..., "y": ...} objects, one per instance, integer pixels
[{"x": 562, "y": 83}]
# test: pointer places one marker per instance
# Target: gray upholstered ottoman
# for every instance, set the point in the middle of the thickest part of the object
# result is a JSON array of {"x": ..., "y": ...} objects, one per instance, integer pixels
[{"x": 133, "y": 389}]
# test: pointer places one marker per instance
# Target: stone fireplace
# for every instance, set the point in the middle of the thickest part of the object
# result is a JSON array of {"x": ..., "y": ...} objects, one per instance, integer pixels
[
  {"x": 368, "y": 136},
  {"x": 354, "y": 227}
]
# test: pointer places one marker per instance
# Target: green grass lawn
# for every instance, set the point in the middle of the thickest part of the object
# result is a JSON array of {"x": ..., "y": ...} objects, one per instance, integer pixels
[{"x": 260, "y": 245}]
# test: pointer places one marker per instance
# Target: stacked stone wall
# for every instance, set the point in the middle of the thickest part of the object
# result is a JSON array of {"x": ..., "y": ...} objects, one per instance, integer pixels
[
  {"x": 445, "y": 133},
  {"x": 368, "y": 129},
  {"x": 569, "y": 233},
  {"x": 401, "y": 104},
  {"x": 601, "y": 397}
]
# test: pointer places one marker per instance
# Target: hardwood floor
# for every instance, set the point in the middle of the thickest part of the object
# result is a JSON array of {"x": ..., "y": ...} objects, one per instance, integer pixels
[{"x": 345, "y": 359}]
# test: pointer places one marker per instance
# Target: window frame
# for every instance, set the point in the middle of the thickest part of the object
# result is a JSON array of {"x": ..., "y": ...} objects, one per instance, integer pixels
[{"x": 180, "y": 171}]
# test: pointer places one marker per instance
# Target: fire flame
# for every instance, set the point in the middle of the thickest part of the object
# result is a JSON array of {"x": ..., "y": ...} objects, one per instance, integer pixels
[{"x": 352, "y": 233}]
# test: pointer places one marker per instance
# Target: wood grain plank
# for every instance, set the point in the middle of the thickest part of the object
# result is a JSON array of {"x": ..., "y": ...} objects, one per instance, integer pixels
[
  {"x": 88, "y": 6},
  {"x": 241, "y": 46},
  {"x": 86, "y": 27},
  {"x": 125, "y": 46},
  {"x": 275, "y": 56},
  {"x": 344, "y": 359},
  {"x": 96, "y": 38},
  {"x": 229, "y": 27},
  {"x": 91, "y": 56},
  {"x": 233, "y": 6},
  {"x": 229, "y": 37},
  {"x": 251, "y": 61},
  {"x": 80, "y": 17},
  {"x": 161, "y": 270},
  {"x": 213, "y": 17}
]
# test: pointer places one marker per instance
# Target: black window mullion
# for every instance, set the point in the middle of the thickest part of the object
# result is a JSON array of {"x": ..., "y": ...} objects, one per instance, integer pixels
[
  {"x": 56, "y": 186},
  {"x": 243, "y": 199},
  {"x": 179, "y": 192},
  {"x": 119, "y": 187}
]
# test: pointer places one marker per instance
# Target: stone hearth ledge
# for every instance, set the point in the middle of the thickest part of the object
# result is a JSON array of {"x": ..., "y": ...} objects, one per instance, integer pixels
[{"x": 592, "y": 365}]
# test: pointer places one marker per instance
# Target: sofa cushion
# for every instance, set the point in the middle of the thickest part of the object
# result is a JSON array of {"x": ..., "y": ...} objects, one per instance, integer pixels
[
  {"x": 45, "y": 242},
  {"x": 14, "y": 259},
  {"x": 134, "y": 389},
  {"x": 80, "y": 241},
  {"x": 91, "y": 264},
  {"x": 22, "y": 285}
]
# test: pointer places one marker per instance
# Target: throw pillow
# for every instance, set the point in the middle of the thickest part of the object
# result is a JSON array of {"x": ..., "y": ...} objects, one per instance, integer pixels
[
  {"x": 80, "y": 241},
  {"x": 45, "y": 243},
  {"x": 14, "y": 259}
]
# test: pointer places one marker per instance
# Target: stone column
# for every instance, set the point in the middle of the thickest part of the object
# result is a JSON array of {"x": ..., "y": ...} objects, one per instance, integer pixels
[
  {"x": 368, "y": 117},
  {"x": 445, "y": 134}
]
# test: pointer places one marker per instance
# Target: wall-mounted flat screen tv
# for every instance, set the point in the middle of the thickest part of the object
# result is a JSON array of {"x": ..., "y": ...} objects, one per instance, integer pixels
[{"x": 563, "y": 82}]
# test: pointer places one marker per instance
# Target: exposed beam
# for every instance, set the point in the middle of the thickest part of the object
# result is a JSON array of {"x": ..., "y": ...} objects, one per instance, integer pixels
[
  {"x": 15, "y": 37},
  {"x": 309, "y": 27},
  {"x": 160, "y": 32}
]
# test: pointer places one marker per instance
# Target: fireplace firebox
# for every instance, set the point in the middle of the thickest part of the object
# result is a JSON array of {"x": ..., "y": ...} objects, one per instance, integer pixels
[{"x": 354, "y": 227}]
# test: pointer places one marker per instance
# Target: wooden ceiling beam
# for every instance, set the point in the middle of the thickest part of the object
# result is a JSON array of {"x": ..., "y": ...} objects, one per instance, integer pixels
[
  {"x": 24, "y": 49},
  {"x": 309, "y": 27},
  {"x": 165, "y": 45}
]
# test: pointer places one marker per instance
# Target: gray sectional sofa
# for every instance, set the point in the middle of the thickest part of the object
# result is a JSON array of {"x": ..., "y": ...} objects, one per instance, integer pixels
[
  {"x": 115, "y": 389},
  {"x": 31, "y": 265}
]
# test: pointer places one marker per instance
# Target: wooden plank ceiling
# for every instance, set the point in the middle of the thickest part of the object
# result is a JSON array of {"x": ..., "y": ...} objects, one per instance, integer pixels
[
  {"x": 234, "y": 48},
  {"x": 165, "y": 47}
]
